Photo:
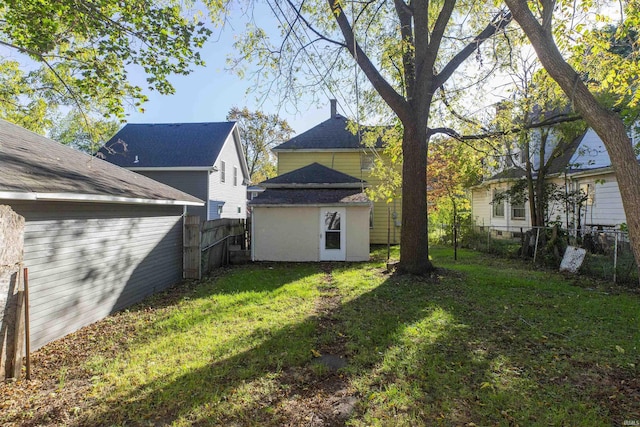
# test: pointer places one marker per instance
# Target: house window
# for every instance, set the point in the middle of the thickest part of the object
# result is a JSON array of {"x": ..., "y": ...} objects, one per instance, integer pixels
[
  {"x": 223, "y": 170},
  {"x": 220, "y": 209},
  {"x": 371, "y": 217},
  {"x": 518, "y": 211},
  {"x": 367, "y": 161},
  {"x": 239, "y": 209},
  {"x": 498, "y": 205},
  {"x": 235, "y": 176}
]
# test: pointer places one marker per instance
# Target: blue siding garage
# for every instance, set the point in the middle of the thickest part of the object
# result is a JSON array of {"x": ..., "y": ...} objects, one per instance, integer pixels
[{"x": 98, "y": 238}]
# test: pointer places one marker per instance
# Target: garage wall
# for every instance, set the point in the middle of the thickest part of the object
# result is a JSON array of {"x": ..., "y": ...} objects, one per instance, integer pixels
[
  {"x": 358, "y": 233},
  {"x": 293, "y": 234},
  {"x": 88, "y": 260},
  {"x": 286, "y": 234}
]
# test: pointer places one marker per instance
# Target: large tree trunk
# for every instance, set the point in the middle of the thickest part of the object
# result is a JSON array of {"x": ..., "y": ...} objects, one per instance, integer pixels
[
  {"x": 414, "y": 242},
  {"x": 606, "y": 124}
]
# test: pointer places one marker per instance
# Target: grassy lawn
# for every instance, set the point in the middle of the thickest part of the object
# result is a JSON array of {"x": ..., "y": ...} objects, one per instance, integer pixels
[{"x": 486, "y": 342}]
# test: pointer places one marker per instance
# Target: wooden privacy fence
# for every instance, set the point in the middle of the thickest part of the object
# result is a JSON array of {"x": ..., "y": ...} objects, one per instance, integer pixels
[{"x": 208, "y": 245}]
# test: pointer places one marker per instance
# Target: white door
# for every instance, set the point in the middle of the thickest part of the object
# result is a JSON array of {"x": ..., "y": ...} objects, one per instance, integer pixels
[{"x": 332, "y": 234}]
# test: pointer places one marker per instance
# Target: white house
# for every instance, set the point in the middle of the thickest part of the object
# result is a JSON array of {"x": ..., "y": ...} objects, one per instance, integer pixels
[{"x": 585, "y": 166}]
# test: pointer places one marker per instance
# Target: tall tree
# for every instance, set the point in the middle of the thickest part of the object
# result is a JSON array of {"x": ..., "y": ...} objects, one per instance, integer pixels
[
  {"x": 406, "y": 50},
  {"x": 79, "y": 53},
  {"x": 609, "y": 126},
  {"x": 259, "y": 133}
]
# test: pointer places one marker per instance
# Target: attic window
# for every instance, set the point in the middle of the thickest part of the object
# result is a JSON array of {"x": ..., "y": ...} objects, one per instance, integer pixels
[
  {"x": 223, "y": 175},
  {"x": 235, "y": 176}
]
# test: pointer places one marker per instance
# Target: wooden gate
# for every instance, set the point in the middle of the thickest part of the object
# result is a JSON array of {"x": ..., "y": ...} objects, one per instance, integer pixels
[{"x": 207, "y": 244}]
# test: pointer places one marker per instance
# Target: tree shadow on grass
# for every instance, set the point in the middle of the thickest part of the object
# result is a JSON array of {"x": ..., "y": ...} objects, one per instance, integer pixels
[{"x": 240, "y": 389}]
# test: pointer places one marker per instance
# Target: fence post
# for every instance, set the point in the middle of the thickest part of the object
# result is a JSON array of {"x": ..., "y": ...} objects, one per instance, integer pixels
[
  {"x": 488, "y": 237},
  {"x": 535, "y": 250},
  {"x": 615, "y": 257},
  {"x": 192, "y": 258}
]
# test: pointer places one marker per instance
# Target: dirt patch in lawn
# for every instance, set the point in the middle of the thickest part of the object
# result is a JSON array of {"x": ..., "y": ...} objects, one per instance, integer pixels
[{"x": 319, "y": 395}]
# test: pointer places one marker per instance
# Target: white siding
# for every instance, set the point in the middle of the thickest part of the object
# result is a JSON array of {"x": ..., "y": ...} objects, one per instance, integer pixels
[
  {"x": 86, "y": 261},
  {"x": 591, "y": 153},
  {"x": 293, "y": 233},
  {"x": 232, "y": 196},
  {"x": 481, "y": 206},
  {"x": 607, "y": 207}
]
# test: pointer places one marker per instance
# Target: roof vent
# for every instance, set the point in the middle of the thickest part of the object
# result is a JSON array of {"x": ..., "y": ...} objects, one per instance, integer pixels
[
  {"x": 136, "y": 160},
  {"x": 334, "y": 108}
]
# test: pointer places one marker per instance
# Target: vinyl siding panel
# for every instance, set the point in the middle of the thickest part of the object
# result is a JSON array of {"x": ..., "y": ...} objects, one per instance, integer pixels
[
  {"x": 88, "y": 260},
  {"x": 607, "y": 206},
  {"x": 481, "y": 206},
  {"x": 233, "y": 196},
  {"x": 349, "y": 162},
  {"x": 191, "y": 182},
  {"x": 273, "y": 228}
]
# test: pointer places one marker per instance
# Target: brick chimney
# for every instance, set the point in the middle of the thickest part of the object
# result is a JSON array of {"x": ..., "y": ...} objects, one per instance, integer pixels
[{"x": 334, "y": 108}]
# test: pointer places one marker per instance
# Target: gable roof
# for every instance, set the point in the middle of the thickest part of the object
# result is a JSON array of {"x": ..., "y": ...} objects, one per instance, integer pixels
[
  {"x": 313, "y": 175},
  {"x": 331, "y": 134},
  {"x": 33, "y": 167},
  {"x": 187, "y": 145}
]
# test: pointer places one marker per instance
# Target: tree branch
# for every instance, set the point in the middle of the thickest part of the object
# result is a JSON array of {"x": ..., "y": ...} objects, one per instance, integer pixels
[
  {"x": 386, "y": 91},
  {"x": 498, "y": 23},
  {"x": 563, "y": 118}
]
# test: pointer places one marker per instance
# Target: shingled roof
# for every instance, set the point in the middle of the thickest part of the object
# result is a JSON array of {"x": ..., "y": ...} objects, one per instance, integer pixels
[
  {"x": 33, "y": 167},
  {"x": 313, "y": 175},
  {"x": 331, "y": 134},
  {"x": 167, "y": 145},
  {"x": 281, "y": 196},
  {"x": 314, "y": 184}
]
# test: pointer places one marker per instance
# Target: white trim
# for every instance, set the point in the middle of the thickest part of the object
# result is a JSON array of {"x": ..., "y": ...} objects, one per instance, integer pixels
[
  {"x": 73, "y": 197},
  {"x": 172, "y": 169},
  {"x": 600, "y": 171},
  {"x": 17, "y": 196},
  {"x": 323, "y": 150},
  {"x": 310, "y": 205},
  {"x": 317, "y": 186}
]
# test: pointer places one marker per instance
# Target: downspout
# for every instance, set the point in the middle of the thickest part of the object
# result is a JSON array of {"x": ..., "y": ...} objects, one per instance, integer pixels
[{"x": 253, "y": 236}]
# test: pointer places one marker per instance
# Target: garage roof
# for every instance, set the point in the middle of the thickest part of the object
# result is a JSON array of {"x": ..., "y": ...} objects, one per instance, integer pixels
[{"x": 33, "y": 167}]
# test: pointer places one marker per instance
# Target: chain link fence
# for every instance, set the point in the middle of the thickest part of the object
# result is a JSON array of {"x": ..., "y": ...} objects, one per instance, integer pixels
[{"x": 609, "y": 255}]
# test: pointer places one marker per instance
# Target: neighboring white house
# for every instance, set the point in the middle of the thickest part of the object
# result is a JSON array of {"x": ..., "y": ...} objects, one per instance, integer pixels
[
  {"x": 584, "y": 166},
  {"x": 205, "y": 160}
]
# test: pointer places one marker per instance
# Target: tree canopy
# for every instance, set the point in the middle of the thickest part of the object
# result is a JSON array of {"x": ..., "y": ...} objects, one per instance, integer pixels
[{"x": 80, "y": 54}]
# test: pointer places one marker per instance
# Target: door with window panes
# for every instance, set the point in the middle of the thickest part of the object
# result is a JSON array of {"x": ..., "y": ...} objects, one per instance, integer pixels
[{"x": 332, "y": 234}]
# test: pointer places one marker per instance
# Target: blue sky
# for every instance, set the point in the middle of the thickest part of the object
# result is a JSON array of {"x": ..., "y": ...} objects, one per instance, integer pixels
[{"x": 208, "y": 93}]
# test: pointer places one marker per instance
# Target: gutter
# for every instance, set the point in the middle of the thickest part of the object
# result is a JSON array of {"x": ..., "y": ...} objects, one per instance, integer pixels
[{"x": 89, "y": 198}]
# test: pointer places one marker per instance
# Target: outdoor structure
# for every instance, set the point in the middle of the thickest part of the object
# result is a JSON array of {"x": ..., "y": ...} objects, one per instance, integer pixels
[
  {"x": 333, "y": 145},
  {"x": 584, "y": 166},
  {"x": 97, "y": 238},
  {"x": 205, "y": 160},
  {"x": 311, "y": 214}
]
